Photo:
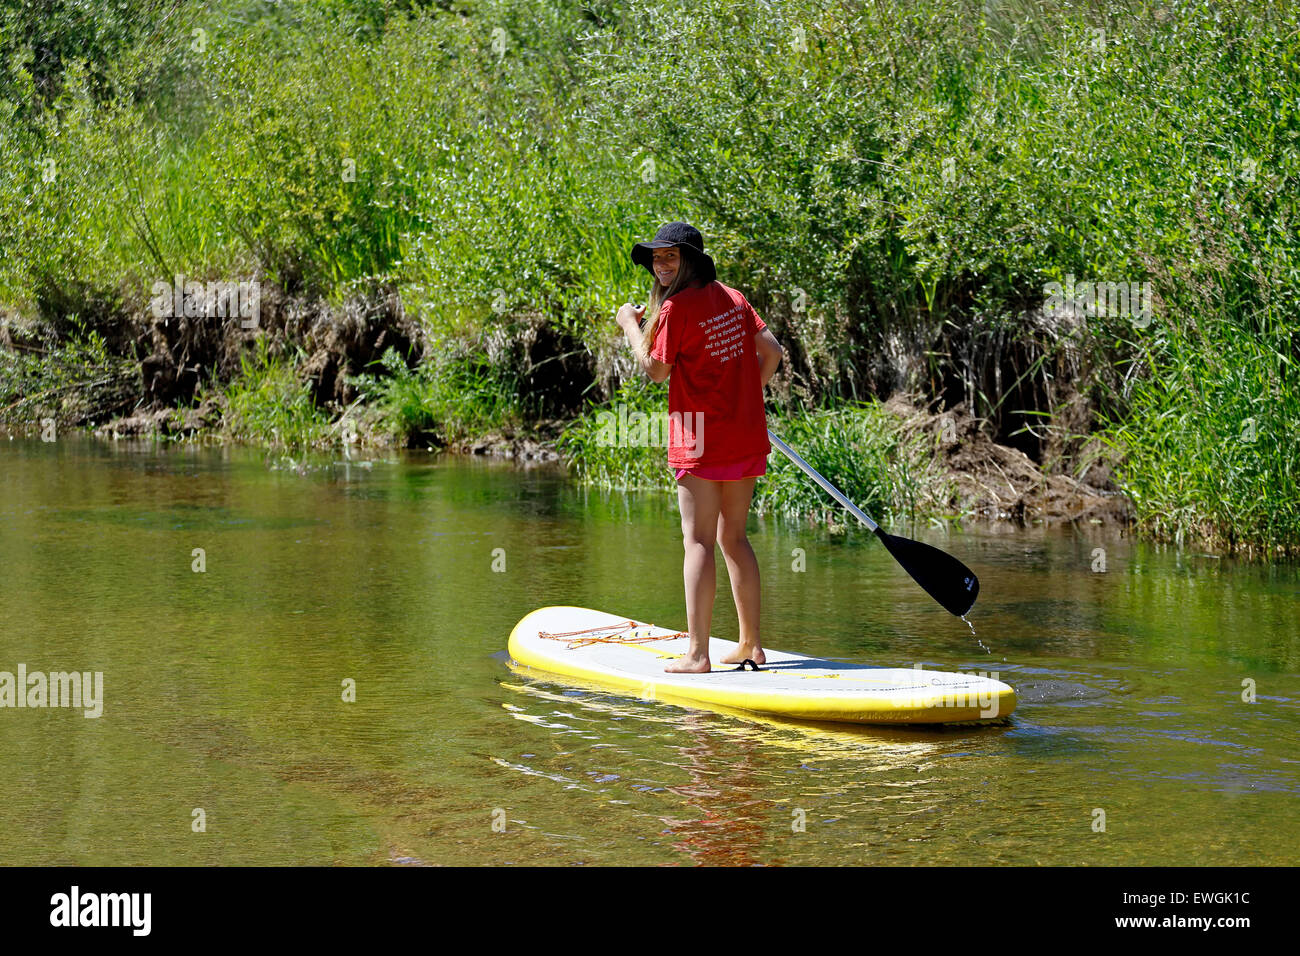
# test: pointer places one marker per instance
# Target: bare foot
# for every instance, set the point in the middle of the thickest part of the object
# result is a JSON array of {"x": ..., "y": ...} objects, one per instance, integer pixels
[
  {"x": 687, "y": 664},
  {"x": 752, "y": 652}
]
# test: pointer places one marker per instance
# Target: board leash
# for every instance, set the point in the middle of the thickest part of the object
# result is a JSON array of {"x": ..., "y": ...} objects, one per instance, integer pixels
[{"x": 598, "y": 635}]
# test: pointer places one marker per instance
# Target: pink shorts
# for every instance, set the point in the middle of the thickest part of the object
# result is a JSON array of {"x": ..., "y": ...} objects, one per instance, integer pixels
[{"x": 751, "y": 468}]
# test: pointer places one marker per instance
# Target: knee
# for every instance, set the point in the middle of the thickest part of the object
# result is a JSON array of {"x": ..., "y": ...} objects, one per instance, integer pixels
[
  {"x": 733, "y": 542},
  {"x": 693, "y": 541}
]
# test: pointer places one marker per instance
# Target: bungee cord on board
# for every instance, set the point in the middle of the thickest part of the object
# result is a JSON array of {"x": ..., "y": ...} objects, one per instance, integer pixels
[{"x": 609, "y": 634}]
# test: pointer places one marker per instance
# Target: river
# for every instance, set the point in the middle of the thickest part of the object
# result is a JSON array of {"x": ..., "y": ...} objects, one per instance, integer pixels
[{"x": 304, "y": 664}]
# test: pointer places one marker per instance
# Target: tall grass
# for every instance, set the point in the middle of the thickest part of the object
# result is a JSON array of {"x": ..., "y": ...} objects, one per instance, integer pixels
[
  {"x": 869, "y": 454},
  {"x": 268, "y": 403},
  {"x": 439, "y": 403},
  {"x": 599, "y": 455},
  {"x": 1211, "y": 447}
]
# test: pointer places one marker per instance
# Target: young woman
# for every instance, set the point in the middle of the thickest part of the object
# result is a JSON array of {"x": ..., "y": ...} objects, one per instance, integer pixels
[{"x": 718, "y": 354}]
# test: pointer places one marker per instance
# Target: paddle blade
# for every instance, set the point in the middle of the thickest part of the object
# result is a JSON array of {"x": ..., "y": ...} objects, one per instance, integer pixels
[{"x": 942, "y": 576}]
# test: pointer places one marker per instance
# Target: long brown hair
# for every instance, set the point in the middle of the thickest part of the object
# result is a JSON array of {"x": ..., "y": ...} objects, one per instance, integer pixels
[{"x": 659, "y": 294}]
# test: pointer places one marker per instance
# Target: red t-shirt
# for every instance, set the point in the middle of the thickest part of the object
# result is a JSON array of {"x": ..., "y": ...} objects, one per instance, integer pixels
[{"x": 715, "y": 392}]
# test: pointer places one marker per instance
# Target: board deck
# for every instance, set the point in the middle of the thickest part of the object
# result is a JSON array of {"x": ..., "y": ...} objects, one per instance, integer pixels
[{"x": 788, "y": 685}]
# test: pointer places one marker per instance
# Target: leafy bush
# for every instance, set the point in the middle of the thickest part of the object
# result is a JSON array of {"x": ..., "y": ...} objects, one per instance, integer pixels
[{"x": 74, "y": 381}]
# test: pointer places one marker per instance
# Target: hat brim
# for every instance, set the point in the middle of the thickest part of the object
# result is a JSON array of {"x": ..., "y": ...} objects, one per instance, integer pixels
[{"x": 643, "y": 256}]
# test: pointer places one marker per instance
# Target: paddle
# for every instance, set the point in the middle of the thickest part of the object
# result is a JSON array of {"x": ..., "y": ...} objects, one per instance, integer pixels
[{"x": 942, "y": 576}]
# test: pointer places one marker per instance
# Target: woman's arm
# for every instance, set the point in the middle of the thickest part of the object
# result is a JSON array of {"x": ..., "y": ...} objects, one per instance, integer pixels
[
  {"x": 769, "y": 354},
  {"x": 629, "y": 320}
]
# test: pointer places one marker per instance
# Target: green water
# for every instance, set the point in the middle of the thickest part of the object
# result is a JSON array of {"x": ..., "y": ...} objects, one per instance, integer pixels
[{"x": 223, "y": 690}]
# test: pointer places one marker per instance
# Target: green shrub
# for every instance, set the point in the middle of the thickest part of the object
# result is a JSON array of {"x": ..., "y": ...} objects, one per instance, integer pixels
[
  {"x": 74, "y": 381},
  {"x": 892, "y": 184}
]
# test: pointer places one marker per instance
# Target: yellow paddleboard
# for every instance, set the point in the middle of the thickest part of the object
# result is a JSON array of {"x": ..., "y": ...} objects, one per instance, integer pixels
[{"x": 616, "y": 652}]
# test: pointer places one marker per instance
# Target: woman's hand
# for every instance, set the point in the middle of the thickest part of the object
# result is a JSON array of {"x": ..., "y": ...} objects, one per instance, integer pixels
[{"x": 629, "y": 313}]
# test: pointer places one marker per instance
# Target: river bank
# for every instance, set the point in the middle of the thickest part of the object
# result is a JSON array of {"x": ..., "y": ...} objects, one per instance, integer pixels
[
  {"x": 967, "y": 475},
  {"x": 1118, "y": 305}
]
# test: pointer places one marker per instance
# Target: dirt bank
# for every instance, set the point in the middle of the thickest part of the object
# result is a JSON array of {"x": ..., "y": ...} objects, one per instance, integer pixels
[
  {"x": 157, "y": 370},
  {"x": 998, "y": 483}
]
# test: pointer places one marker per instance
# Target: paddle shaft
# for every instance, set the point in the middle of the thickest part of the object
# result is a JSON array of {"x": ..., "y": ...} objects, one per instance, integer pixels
[{"x": 830, "y": 489}]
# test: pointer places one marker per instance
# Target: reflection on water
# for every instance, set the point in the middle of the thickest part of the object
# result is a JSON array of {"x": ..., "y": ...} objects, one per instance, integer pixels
[{"x": 1162, "y": 691}]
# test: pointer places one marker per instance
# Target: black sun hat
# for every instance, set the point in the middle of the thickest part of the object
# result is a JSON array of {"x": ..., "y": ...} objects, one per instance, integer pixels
[{"x": 685, "y": 237}]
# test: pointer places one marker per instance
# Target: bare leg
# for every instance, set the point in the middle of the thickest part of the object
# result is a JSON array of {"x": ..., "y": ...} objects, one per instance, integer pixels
[
  {"x": 699, "y": 501},
  {"x": 742, "y": 568}
]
